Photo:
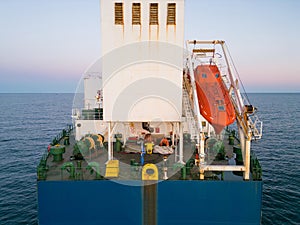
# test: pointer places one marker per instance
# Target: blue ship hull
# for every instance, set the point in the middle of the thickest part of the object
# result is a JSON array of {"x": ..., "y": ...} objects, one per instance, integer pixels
[{"x": 178, "y": 202}]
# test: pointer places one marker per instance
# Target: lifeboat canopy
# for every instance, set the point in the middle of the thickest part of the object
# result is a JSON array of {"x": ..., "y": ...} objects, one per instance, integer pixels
[{"x": 213, "y": 97}]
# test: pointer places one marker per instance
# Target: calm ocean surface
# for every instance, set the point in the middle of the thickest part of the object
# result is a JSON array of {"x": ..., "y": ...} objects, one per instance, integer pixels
[{"x": 30, "y": 121}]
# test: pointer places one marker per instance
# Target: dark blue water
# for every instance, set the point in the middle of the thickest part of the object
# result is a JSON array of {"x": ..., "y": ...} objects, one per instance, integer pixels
[
  {"x": 279, "y": 154},
  {"x": 30, "y": 121}
]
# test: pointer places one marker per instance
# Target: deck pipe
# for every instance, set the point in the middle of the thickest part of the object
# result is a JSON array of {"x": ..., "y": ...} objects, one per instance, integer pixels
[
  {"x": 69, "y": 167},
  {"x": 94, "y": 166}
]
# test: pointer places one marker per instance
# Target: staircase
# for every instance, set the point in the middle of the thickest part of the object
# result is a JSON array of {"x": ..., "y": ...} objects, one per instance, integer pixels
[{"x": 189, "y": 114}]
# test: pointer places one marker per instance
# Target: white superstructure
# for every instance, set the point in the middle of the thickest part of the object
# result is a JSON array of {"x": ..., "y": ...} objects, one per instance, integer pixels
[
  {"x": 142, "y": 50},
  {"x": 141, "y": 72}
]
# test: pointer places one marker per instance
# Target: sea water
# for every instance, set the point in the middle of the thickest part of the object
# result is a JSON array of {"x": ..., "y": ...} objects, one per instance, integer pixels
[{"x": 28, "y": 123}]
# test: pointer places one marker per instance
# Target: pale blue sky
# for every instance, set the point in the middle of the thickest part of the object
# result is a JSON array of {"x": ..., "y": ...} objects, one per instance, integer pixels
[{"x": 45, "y": 45}]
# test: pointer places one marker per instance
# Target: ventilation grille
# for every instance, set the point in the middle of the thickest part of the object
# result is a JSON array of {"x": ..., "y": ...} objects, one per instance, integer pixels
[
  {"x": 136, "y": 13},
  {"x": 153, "y": 14},
  {"x": 171, "y": 19},
  {"x": 119, "y": 14}
]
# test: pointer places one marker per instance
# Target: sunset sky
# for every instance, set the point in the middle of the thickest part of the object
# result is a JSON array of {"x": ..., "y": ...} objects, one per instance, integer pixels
[{"x": 45, "y": 45}]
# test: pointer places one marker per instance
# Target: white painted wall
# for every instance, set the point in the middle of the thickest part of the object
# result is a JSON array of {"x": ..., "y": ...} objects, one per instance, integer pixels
[
  {"x": 91, "y": 85},
  {"x": 156, "y": 67},
  {"x": 115, "y": 36}
]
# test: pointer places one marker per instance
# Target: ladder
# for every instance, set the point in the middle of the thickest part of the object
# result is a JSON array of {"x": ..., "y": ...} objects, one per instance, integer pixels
[
  {"x": 256, "y": 127},
  {"x": 189, "y": 114}
]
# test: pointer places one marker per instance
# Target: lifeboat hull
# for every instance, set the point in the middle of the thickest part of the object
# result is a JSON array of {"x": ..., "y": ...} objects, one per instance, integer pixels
[{"x": 213, "y": 97}]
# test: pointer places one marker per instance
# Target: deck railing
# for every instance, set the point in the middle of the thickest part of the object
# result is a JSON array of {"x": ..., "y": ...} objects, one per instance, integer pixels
[
  {"x": 88, "y": 114},
  {"x": 42, "y": 167}
]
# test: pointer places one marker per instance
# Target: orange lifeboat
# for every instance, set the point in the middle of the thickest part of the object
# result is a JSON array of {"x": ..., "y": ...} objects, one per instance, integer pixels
[{"x": 213, "y": 97}]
